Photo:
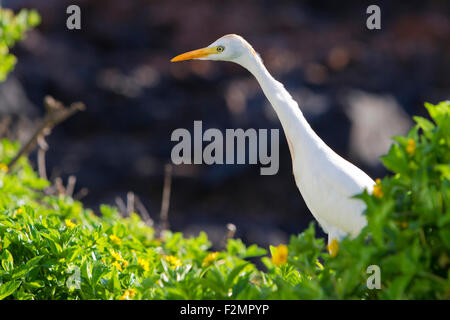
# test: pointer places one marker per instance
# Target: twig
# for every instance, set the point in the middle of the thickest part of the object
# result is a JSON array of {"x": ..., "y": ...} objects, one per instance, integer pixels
[
  {"x": 130, "y": 203},
  {"x": 4, "y": 126},
  {"x": 56, "y": 172},
  {"x": 59, "y": 186},
  {"x": 43, "y": 147},
  {"x": 81, "y": 194},
  {"x": 71, "y": 185},
  {"x": 49, "y": 191},
  {"x": 56, "y": 112},
  {"x": 121, "y": 205},
  {"x": 143, "y": 211},
  {"x": 164, "y": 214},
  {"x": 231, "y": 231}
]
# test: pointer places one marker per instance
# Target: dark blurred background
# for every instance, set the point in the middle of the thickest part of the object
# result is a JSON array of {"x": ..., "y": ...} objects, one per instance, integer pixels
[{"x": 356, "y": 87}]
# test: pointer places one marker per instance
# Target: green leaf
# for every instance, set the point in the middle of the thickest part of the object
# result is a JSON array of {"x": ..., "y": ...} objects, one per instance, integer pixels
[
  {"x": 444, "y": 169},
  {"x": 234, "y": 273},
  {"x": 255, "y": 251},
  {"x": 8, "y": 288},
  {"x": 7, "y": 260},
  {"x": 12, "y": 29},
  {"x": 19, "y": 272},
  {"x": 114, "y": 283},
  {"x": 97, "y": 271},
  {"x": 426, "y": 125},
  {"x": 395, "y": 160},
  {"x": 33, "y": 285},
  {"x": 34, "y": 19},
  {"x": 34, "y": 261},
  {"x": 439, "y": 112},
  {"x": 52, "y": 242},
  {"x": 445, "y": 237}
]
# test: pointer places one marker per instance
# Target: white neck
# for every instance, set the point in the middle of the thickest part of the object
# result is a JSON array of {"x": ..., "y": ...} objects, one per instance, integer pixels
[{"x": 301, "y": 137}]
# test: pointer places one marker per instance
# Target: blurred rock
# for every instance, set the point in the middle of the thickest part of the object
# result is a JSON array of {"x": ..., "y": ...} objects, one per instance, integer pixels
[
  {"x": 375, "y": 120},
  {"x": 14, "y": 100}
]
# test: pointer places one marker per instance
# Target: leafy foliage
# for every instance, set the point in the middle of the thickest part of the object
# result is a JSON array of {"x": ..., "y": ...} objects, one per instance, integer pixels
[
  {"x": 53, "y": 248},
  {"x": 12, "y": 29}
]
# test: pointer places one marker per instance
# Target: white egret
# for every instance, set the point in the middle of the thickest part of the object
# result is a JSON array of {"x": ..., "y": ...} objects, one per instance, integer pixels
[{"x": 326, "y": 181}]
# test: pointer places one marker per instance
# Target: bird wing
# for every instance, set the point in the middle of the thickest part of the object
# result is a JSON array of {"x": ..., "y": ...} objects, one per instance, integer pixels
[
  {"x": 327, "y": 184},
  {"x": 343, "y": 181}
]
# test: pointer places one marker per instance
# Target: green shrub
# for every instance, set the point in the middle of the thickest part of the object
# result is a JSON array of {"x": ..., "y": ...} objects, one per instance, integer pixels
[
  {"x": 53, "y": 248},
  {"x": 408, "y": 233},
  {"x": 12, "y": 29}
]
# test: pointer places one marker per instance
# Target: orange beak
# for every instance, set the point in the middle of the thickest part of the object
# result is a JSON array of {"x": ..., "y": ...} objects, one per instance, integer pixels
[{"x": 196, "y": 54}]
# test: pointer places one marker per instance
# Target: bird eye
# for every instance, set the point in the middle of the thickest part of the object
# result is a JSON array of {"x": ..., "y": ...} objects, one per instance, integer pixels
[{"x": 220, "y": 48}]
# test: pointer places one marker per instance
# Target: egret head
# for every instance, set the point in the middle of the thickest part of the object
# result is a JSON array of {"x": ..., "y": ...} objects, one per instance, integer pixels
[{"x": 231, "y": 47}]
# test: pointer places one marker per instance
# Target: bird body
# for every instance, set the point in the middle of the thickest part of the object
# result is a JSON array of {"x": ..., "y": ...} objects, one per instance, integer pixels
[{"x": 326, "y": 181}]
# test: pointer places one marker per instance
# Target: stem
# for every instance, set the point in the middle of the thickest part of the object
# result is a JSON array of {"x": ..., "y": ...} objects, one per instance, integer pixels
[
  {"x": 56, "y": 113},
  {"x": 164, "y": 215}
]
